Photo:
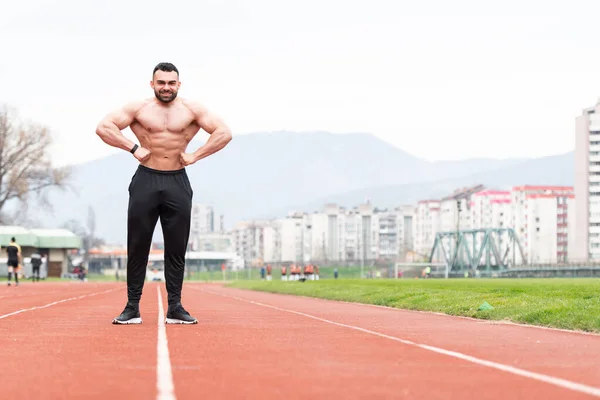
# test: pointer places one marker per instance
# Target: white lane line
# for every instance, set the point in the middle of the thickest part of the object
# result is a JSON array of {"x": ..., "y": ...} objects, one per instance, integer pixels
[
  {"x": 54, "y": 303},
  {"x": 563, "y": 383},
  {"x": 164, "y": 376}
]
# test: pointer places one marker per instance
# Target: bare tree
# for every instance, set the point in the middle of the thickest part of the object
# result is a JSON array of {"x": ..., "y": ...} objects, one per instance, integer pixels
[
  {"x": 25, "y": 165},
  {"x": 87, "y": 235},
  {"x": 75, "y": 226}
]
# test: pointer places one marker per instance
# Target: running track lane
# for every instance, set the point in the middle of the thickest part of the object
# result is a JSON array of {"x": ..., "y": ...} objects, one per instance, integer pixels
[
  {"x": 15, "y": 298},
  {"x": 241, "y": 349},
  {"x": 71, "y": 349}
]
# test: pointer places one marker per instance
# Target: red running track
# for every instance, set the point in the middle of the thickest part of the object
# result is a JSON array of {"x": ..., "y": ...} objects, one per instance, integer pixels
[{"x": 267, "y": 346}]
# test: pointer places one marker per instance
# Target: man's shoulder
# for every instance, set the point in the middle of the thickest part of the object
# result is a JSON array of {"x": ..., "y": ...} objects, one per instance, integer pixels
[
  {"x": 136, "y": 106},
  {"x": 194, "y": 106}
]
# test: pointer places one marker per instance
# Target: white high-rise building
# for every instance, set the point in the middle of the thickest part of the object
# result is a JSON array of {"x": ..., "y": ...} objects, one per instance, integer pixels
[
  {"x": 272, "y": 242},
  {"x": 291, "y": 230},
  {"x": 541, "y": 216},
  {"x": 337, "y": 234},
  {"x": 394, "y": 233},
  {"x": 587, "y": 185},
  {"x": 248, "y": 240},
  {"x": 549, "y": 222},
  {"x": 407, "y": 230},
  {"x": 427, "y": 225},
  {"x": 491, "y": 209},
  {"x": 387, "y": 234},
  {"x": 541, "y": 219},
  {"x": 203, "y": 219},
  {"x": 319, "y": 236}
]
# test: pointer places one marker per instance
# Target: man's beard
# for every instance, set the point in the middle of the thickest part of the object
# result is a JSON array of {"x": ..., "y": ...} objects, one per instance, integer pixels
[{"x": 163, "y": 97}]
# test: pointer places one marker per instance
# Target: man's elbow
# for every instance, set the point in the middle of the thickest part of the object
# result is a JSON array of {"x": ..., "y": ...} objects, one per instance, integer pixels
[
  {"x": 227, "y": 136},
  {"x": 103, "y": 129}
]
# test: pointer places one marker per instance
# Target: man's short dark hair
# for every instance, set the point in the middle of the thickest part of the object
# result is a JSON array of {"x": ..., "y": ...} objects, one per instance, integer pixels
[
  {"x": 13, "y": 239},
  {"x": 165, "y": 66}
]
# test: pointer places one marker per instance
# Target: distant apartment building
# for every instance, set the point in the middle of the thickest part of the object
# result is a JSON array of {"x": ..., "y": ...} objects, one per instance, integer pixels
[
  {"x": 292, "y": 236},
  {"x": 319, "y": 236},
  {"x": 342, "y": 234},
  {"x": 544, "y": 220},
  {"x": 272, "y": 242},
  {"x": 550, "y": 228},
  {"x": 248, "y": 240},
  {"x": 541, "y": 216},
  {"x": 387, "y": 234},
  {"x": 455, "y": 209},
  {"x": 427, "y": 225},
  {"x": 491, "y": 209},
  {"x": 406, "y": 218},
  {"x": 202, "y": 220},
  {"x": 394, "y": 233},
  {"x": 212, "y": 241},
  {"x": 587, "y": 184},
  {"x": 336, "y": 234}
]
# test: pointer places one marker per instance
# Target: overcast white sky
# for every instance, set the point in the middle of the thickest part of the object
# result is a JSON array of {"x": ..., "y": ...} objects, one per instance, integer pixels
[{"x": 439, "y": 79}]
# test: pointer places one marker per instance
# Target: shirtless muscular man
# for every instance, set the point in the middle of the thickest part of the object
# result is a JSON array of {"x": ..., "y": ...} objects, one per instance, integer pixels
[{"x": 160, "y": 188}]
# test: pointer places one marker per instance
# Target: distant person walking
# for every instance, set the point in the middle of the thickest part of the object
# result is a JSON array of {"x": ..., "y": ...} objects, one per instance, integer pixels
[
  {"x": 14, "y": 255},
  {"x": 36, "y": 263}
]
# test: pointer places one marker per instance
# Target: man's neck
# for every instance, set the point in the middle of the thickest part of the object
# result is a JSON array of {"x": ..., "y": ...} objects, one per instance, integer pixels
[{"x": 169, "y": 104}]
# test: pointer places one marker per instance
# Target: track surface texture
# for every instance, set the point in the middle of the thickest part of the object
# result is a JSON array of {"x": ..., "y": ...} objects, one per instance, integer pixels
[{"x": 57, "y": 342}]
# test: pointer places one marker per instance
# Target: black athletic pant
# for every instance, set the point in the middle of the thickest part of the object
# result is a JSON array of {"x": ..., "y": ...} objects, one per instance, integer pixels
[
  {"x": 13, "y": 262},
  {"x": 35, "y": 275},
  {"x": 157, "y": 194}
]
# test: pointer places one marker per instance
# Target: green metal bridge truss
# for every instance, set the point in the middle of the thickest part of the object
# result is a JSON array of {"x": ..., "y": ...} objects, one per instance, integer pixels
[{"x": 486, "y": 250}]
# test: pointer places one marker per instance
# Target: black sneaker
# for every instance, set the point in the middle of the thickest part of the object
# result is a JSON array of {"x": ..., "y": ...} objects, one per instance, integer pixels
[
  {"x": 178, "y": 315},
  {"x": 130, "y": 315}
]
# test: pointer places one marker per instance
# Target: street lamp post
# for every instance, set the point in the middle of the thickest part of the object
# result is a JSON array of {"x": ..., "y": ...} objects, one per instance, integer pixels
[{"x": 458, "y": 208}]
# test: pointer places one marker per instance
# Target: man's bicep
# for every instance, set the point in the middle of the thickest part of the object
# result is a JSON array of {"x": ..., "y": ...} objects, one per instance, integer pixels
[
  {"x": 207, "y": 120},
  {"x": 122, "y": 117}
]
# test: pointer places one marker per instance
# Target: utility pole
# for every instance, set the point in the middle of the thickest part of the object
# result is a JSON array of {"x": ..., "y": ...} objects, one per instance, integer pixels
[{"x": 458, "y": 208}]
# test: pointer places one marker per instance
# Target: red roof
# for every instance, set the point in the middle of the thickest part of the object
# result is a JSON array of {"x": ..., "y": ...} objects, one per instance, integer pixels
[
  {"x": 528, "y": 188},
  {"x": 549, "y": 196},
  {"x": 493, "y": 193}
]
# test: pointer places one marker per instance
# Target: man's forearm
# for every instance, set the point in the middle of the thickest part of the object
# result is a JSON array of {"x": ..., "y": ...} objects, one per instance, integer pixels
[
  {"x": 215, "y": 142},
  {"x": 110, "y": 134}
]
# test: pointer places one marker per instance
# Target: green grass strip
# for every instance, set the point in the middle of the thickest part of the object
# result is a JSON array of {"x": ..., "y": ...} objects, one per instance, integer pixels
[{"x": 560, "y": 303}]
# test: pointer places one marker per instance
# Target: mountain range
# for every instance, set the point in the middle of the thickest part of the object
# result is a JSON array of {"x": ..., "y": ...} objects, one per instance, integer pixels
[{"x": 264, "y": 175}]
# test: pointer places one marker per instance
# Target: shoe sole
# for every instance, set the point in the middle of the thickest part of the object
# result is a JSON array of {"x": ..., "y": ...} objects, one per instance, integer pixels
[
  {"x": 178, "y": 321},
  {"x": 128, "y": 322}
]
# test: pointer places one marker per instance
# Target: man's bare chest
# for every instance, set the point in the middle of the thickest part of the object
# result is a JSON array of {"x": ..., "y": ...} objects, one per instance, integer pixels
[{"x": 158, "y": 120}]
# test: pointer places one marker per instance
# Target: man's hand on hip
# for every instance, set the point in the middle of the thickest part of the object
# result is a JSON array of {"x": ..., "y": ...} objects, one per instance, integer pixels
[
  {"x": 187, "y": 159},
  {"x": 142, "y": 154}
]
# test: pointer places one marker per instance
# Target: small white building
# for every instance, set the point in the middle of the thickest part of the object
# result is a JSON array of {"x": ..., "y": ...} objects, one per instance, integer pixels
[{"x": 53, "y": 244}]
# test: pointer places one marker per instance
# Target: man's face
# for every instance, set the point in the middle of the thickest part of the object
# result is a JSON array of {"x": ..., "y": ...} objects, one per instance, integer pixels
[{"x": 165, "y": 85}]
